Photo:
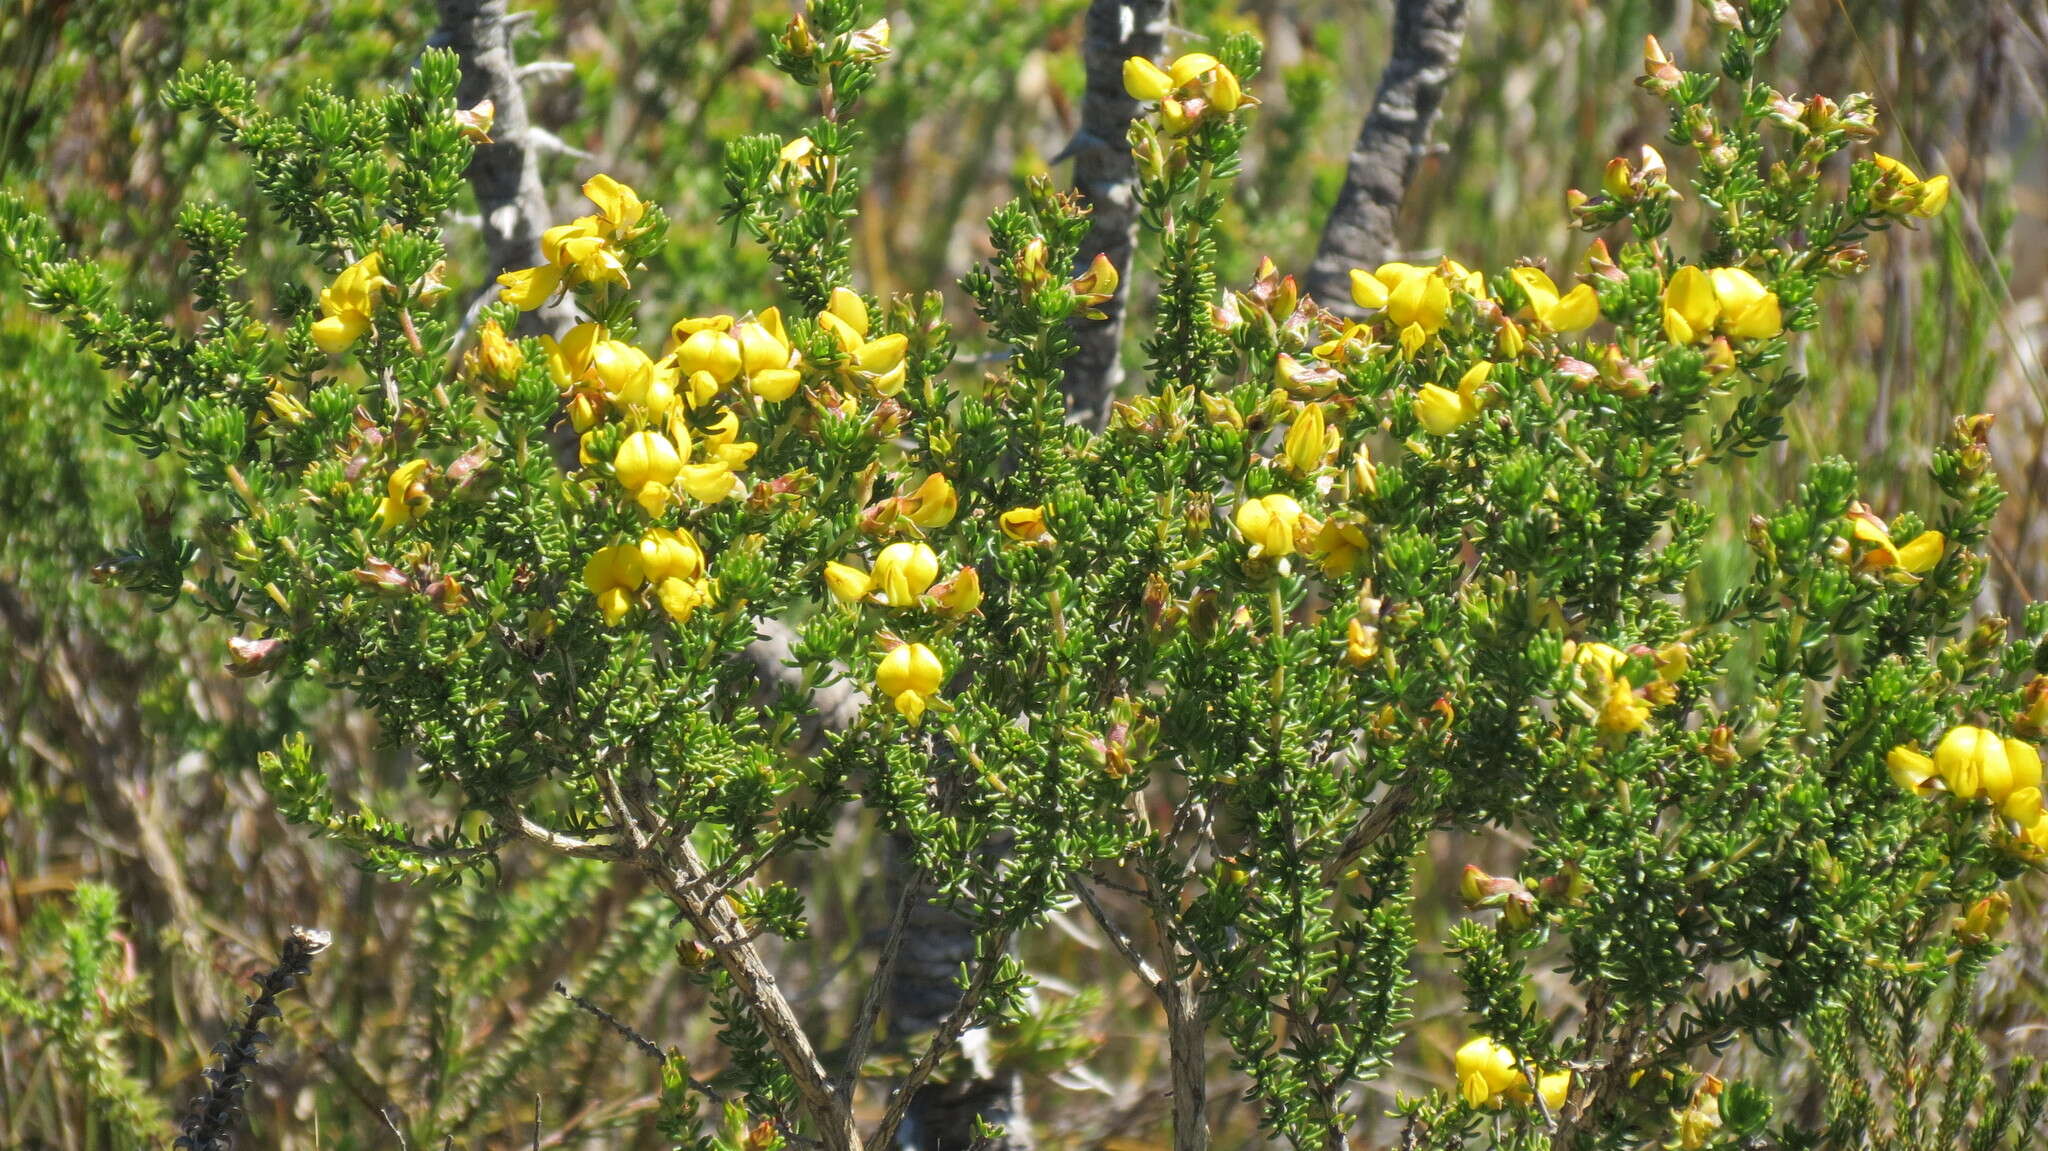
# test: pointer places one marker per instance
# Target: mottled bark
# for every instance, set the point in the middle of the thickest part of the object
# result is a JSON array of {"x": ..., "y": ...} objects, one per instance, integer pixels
[
  {"x": 924, "y": 989},
  {"x": 505, "y": 173},
  {"x": 1107, "y": 180},
  {"x": 1360, "y": 231}
]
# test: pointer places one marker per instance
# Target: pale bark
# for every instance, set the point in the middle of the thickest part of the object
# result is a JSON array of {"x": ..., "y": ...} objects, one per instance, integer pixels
[{"x": 1427, "y": 37}]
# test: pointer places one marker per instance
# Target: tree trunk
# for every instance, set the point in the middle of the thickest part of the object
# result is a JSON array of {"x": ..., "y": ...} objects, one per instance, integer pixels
[
  {"x": 505, "y": 173},
  {"x": 1107, "y": 180},
  {"x": 1360, "y": 231}
]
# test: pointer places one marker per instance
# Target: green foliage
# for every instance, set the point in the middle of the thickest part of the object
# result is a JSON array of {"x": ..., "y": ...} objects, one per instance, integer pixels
[{"x": 1226, "y": 665}]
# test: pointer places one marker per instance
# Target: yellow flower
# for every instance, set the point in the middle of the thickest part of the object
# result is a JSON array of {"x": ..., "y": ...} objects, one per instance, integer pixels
[
  {"x": 1622, "y": 712},
  {"x": 1023, "y": 524},
  {"x": 1973, "y": 762},
  {"x": 763, "y": 343},
  {"x": 960, "y": 595},
  {"x": 909, "y": 676},
  {"x": 933, "y": 504},
  {"x": 405, "y": 495},
  {"x": 1367, "y": 291},
  {"x": 1919, "y": 554},
  {"x": 848, "y": 584},
  {"x": 2023, "y": 806},
  {"x": 646, "y": 464},
  {"x": 529, "y": 288},
  {"x": 495, "y": 359},
  {"x": 1145, "y": 81},
  {"x": 881, "y": 361},
  {"x": 613, "y": 574},
  {"x": 1570, "y": 312},
  {"x": 711, "y": 481},
  {"x": 1749, "y": 311},
  {"x": 667, "y": 553},
  {"x": 1421, "y": 299},
  {"x": 1690, "y": 308},
  {"x": 1270, "y": 524},
  {"x": 1486, "y": 1070},
  {"x": 681, "y": 598},
  {"x": 618, "y": 206},
  {"x": 1910, "y": 769},
  {"x": 1441, "y": 410},
  {"x": 346, "y": 307},
  {"x": 1555, "y": 1088},
  {"x": 902, "y": 573},
  {"x": 622, "y": 370},
  {"x": 2025, "y": 763},
  {"x": 1339, "y": 547},
  {"x": 1310, "y": 441},
  {"x": 1361, "y": 642},
  {"x": 712, "y": 352},
  {"x": 1916, "y": 197}
]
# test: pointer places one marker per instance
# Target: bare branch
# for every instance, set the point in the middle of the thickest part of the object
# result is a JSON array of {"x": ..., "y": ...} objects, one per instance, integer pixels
[
  {"x": 505, "y": 174},
  {"x": 943, "y": 1038},
  {"x": 1121, "y": 939},
  {"x": 1428, "y": 35},
  {"x": 878, "y": 983}
]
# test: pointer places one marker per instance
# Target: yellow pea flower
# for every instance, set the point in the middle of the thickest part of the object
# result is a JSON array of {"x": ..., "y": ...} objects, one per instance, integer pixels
[
  {"x": 347, "y": 305},
  {"x": 1555, "y": 1088},
  {"x": 1920, "y": 554},
  {"x": 1973, "y": 762},
  {"x": 622, "y": 370},
  {"x": 712, "y": 352},
  {"x": 710, "y": 482},
  {"x": 1338, "y": 546},
  {"x": 671, "y": 553},
  {"x": 405, "y": 495},
  {"x": 529, "y": 288},
  {"x": 1144, "y": 80},
  {"x": 1441, "y": 410},
  {"x": 1568, "y": 312},
  {"x": 2025, "y": 763},
  {"x": 1421, "y": 300},
  {"x": 960, "y": 595},
  {"x": 613, "y": 574},
  {"x": 1191, "y": 67},
  {"x": 847, "y": 583},
  {"x": 1690, "y": 307},
  {"x": 1486, "y": 1070},
  {"x": 1310, "y": 441},
  {"x": 1024, "y": 524},
  {"x": 1749, "y": 311},
  {"x": 1911, "y": 769},
  {"x": 1623, "y": 711},
  {"x": 2023, "y": 806},
  {"x": 902, "y": 573},
  {"x": 763, "y": 343},
  {"x": 910, "y": 676},
  {"x": 1361, "y": 642},
  {"x": 933, "y": 504},
  {"x": 1916, "y": 197},
  {"x": 618, "y": 205},
  {"x": 1368, "y": 291},
  {"x": 846, "y": 306},
  {"x": 681, "y": 598},
  {"x": 647, "y": 463},
  {"x": 1271, "y": 524}
]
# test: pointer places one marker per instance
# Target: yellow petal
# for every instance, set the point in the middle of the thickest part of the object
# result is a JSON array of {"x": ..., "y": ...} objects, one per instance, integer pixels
[
  {"x": 529, "y": 288},
  {"x": 1144, "y": 80},
  {"x": 1367, "y": 291}
]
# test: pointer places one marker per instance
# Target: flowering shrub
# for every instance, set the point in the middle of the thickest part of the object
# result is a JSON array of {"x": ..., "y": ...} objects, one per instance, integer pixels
[{"x": 1215, "y": 672}]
